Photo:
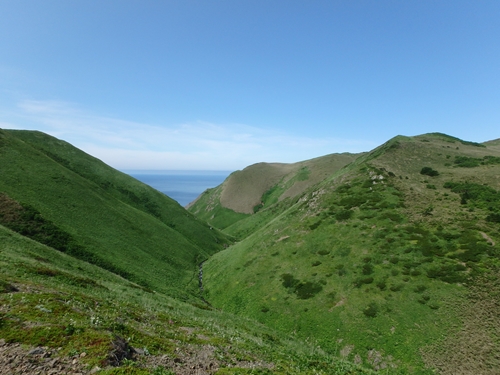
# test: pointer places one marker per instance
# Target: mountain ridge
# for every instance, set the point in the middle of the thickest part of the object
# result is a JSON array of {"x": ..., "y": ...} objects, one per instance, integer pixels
[{"x": 400, "y": 236}]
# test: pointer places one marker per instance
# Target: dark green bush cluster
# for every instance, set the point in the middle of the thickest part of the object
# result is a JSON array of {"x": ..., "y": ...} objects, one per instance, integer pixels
[
  {"x": 363, "y": 280},
  {"x": 424, "y": 299},
  {"x": 450, "y": 273},
  {"x": 428, "y": 171},
  {"x": 367, "y": 269},
  {"x": 392, "y": 216},
  {"x": 372, "y": 199},
  {"x": 494, "y": 218},
  {"x": 468, "y": 162},
  {"x": 343, "y": 215},
  {"x": 397, "y": 287},
  {"x": 481, "y": 196},
  {"x": 371, "y": 310},
  {"x": 303, "y": 290}
]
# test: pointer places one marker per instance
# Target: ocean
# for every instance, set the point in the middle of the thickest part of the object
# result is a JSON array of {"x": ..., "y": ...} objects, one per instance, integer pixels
[{"x": 182, "y": 186}]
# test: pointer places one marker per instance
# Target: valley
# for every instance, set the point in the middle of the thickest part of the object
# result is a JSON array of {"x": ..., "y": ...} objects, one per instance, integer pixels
[{"x": 385, "y": 261}]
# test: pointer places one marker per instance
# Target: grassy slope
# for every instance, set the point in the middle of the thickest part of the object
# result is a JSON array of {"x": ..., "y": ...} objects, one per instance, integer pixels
[
  {"x": 108, "y": 213},
  {"x": 378, "y": 262},
  {"x": 260, "y": 185},
  {"x": 48, "y": 298}
]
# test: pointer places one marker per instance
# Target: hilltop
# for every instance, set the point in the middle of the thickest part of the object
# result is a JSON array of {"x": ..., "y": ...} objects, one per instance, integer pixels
[
  {"x": 391, "y": 261},
  {"x": 260, "y": 185}
]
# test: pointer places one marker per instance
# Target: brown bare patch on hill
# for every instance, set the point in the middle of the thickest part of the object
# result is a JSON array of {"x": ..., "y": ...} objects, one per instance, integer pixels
[
  {"x": 243, "y": 190},
  {"x": 9, "y": 208}
]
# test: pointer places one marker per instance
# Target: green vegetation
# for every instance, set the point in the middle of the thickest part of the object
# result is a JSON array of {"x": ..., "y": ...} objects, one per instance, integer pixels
[
  {"x": 387, "y": 259},
  {"x": 428, "y": 171},
  {"x": 307, "y": 268},
  {"x": 470, "y": 162},
  {"x": 64, "y": 198},
  {"x": 52, "y": 299}
]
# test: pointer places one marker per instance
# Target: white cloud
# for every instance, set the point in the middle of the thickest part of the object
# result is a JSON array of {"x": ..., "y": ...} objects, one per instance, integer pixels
[{"x": 198, "y": 145}]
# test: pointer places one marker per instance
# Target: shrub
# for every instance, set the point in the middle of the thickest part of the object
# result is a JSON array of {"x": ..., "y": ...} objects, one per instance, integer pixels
[
  {"x": 288, "y": 280},
  {"x": 343, "y": 215},
  {"x": 303, "y": 290},
  {"x": 467, "y": 162},
  {"x": 307, "y": 290},
  {"x": 394, "y": 260},
  {"x": 371, "y": 310},
  {"x": 428, "y": 171},
  {"x": 424, "y": 299},
  {"x": 396, "y": 287},
  {"x": 363, "y": 280},
  {"x": 420, "y": 289},
  {"x": 449, "y": 273},
  {"x": 367, "y": 269},
  {"x": 493, "y": 218},
  {"x": 382, "y": 285}
]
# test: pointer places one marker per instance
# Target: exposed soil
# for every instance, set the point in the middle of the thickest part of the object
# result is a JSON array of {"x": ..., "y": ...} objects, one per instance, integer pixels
[{"x": 16, "y": 359}]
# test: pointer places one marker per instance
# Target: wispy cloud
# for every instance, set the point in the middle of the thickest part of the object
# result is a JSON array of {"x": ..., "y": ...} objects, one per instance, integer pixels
[{"x": 197, "y": 145}]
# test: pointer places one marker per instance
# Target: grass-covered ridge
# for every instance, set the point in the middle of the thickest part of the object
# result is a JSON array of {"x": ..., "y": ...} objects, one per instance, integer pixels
[
  {"x": 101, "y": 271},
  {"x": 387, "y": 261},
  {"x": 105, "y": 216},
  {"x": 258, "y": 186},
  {"x": 378, "y": 259}
]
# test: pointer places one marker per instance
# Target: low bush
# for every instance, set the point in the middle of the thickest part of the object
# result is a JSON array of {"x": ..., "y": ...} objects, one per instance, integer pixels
[
  {"x": 428, "y": 171},
  {"x": 371, "y": 310}
]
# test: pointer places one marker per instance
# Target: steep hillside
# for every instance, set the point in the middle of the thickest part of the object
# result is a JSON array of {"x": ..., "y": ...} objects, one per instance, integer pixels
[
  {"x": 392, "y": 261},
  {"x": 248, "y": 191},
  {"x": 76, "y": 318},
  {"x": 58, "y": 195}
]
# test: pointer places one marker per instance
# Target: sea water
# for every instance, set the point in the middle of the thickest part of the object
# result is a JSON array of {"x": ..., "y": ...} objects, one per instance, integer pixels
[{"x": 182, "y": 186}]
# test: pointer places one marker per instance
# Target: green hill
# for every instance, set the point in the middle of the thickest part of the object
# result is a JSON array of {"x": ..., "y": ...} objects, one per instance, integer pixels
[
  {"x": 261, "y": 185},
  {"x": 345, "y": 264},
  {"x": 391, "y": 261},
  {"x": 81, "y": 206},
  {"x": 97, "y": 271},
  {"x": 74, "y": 317}
]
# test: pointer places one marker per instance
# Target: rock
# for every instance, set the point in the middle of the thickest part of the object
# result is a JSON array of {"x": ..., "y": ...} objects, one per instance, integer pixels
[
  {"x": 53, "y": 362},
  {"x": 36, "y": 351},
  {"x": 139, "y": 351}
]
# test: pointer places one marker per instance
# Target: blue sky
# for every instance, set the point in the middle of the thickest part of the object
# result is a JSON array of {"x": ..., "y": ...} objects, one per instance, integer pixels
[{"x": 223, "y": 84}]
